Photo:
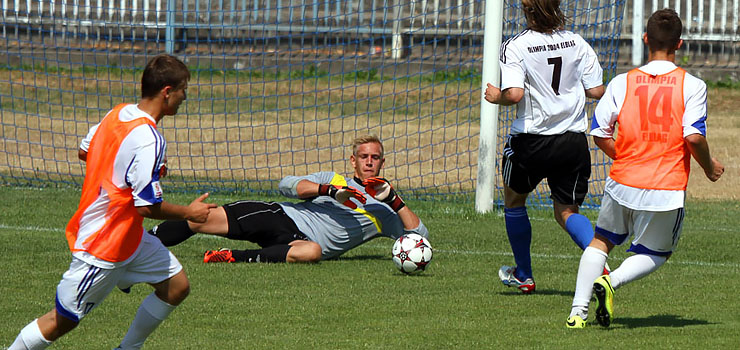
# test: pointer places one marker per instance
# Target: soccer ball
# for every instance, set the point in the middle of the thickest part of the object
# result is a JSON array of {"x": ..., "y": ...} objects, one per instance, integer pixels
[{"x": 412, "y": 253}]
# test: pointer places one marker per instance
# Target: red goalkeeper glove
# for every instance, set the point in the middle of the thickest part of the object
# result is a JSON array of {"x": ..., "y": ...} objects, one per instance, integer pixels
[
  {"x": 342, "y": 194},
  {"x": 380, "y": 189}
]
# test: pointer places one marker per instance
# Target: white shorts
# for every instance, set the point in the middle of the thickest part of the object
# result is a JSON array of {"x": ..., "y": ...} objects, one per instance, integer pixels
[
  {"x": 83, "y": 287},
  {"x": 654, "y": 232}
]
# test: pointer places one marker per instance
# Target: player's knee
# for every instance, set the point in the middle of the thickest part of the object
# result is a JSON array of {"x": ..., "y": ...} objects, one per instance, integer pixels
[
  {"x": 315, "y": 254},
  {"x": 308, "y": 252},
  {"x": 65, "y": 326},
  {"x": 54, "y": 325},
  {"x": 513, "y": 199},
  {"x": 174, "y": 290},
  {"x": 179, "y": 293}
]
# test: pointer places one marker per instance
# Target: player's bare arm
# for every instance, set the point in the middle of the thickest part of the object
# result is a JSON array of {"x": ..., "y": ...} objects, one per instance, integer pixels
[
  {"x": 595, "y": 92},
  {"x": 507, "y": 97},
  {"x": 606, "y": 145},
  {"x": 196, "y": 211},
  {"x": 699, "y": 149},
  {"x": 307, "y": 189},
  {"x": 408, "y": 218}
]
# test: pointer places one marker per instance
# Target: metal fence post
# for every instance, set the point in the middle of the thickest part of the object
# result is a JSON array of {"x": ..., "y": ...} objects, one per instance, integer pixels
[
  {"x": 638, "y": 10},
  {"x": 396, "y": 38},
  {"x": 169, "y": 31}
]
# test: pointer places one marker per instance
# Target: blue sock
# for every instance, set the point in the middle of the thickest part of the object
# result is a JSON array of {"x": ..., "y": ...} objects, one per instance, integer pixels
[
  {"x": 580, "y": 230},
  {"x": 519, "y": 231}
]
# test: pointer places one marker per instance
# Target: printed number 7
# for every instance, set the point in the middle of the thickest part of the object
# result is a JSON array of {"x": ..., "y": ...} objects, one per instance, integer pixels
[{"x": 557, "y": 63}]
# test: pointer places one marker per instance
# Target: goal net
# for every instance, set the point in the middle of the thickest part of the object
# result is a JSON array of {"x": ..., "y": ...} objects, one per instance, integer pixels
[{"x": 278, "y": 87}]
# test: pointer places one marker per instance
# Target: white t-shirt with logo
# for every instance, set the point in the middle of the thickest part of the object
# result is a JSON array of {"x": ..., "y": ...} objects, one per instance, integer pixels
[{"x": 554, "y": 70}]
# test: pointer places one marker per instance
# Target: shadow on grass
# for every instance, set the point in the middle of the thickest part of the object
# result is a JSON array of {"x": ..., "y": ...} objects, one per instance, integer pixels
[
  {"x": 514, "y": 291},
  {"x": 658, "y": 321},
  {"x": 361, "y": 257}
]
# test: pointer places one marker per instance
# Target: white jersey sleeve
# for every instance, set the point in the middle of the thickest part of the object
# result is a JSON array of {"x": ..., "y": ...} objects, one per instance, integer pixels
[
  {"x": 554, "y": 70},
  {"x": 695, "y": 111},
  {"x": 85, "y": 143},
  {"x": 147, "y": 146},
  {"x": 139, "y": 159},
  {"x": 593, "y": 74},
  {"x": 607, "y": 110},
  {"x": 513, "y": 71}
]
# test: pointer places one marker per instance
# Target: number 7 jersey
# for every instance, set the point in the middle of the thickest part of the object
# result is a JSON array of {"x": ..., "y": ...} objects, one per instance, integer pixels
[{"x": 554, "y": 69}]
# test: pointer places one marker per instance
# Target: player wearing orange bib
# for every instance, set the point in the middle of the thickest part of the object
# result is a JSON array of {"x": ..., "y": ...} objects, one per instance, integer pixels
[
  {"x": 661, "y": 114},
  {"x": 650, "y": 143},
  {"x": 117, "y": 233},
  {"x": 124, "y": 155}
]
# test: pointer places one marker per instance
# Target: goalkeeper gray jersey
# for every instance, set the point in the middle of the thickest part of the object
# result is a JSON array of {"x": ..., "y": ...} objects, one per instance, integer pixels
[{"x": 336, "y": 227}]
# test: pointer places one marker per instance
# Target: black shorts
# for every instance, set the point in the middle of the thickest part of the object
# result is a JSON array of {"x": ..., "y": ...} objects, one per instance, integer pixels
[
  {"x": 264, "y": 223},
  {"x": 565, "y": 160}
]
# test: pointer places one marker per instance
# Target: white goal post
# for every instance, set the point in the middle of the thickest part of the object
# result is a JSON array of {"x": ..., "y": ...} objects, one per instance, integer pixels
[{"x": 493, "y": 23}]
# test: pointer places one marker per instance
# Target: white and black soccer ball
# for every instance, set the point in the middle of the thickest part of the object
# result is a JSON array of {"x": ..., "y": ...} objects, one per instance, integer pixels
[{"x": 412, "y": 253}]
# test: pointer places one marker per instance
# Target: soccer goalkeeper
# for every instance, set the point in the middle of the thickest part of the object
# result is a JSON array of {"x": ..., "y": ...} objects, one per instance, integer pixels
[{"x": 338, "y": 213}]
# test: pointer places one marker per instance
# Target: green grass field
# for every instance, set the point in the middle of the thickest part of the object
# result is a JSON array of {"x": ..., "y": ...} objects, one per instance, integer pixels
[{"x": 361, "y": 302}]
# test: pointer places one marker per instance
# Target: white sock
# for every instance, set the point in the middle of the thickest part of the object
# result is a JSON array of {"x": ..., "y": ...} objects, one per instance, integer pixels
[
  {"x": 580, "y": 311},
  {"x": 635, "y": 267},
  {"x": 151, "y": 313},
  {"x": 30, "y": 338},
  {"x": 590, "y": 268}
]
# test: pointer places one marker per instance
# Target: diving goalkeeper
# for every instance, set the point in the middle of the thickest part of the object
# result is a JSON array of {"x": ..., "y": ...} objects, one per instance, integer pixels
[{"x": 337, "y": 214}]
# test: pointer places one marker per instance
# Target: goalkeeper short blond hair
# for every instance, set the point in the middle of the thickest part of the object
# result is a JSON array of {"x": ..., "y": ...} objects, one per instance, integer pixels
[{"x": 361, "y": 140}]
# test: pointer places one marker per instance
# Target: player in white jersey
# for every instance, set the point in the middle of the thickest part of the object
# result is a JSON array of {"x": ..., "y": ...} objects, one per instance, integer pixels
[
  {"x": 547, "y": 72},
  {"x": 108, "y": 243},
  {"x": 661, "y": 114}
]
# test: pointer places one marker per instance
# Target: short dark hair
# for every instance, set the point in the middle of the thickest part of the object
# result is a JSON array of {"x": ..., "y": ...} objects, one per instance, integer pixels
[
  {"x": 163, "y": 70},
  {"x": 664, "y": 30},
  {"x": 544, "y": 16}
]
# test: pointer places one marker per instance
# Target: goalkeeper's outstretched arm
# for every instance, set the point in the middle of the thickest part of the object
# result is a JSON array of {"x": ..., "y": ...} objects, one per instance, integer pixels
[{"x": 307, "y": 189}]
